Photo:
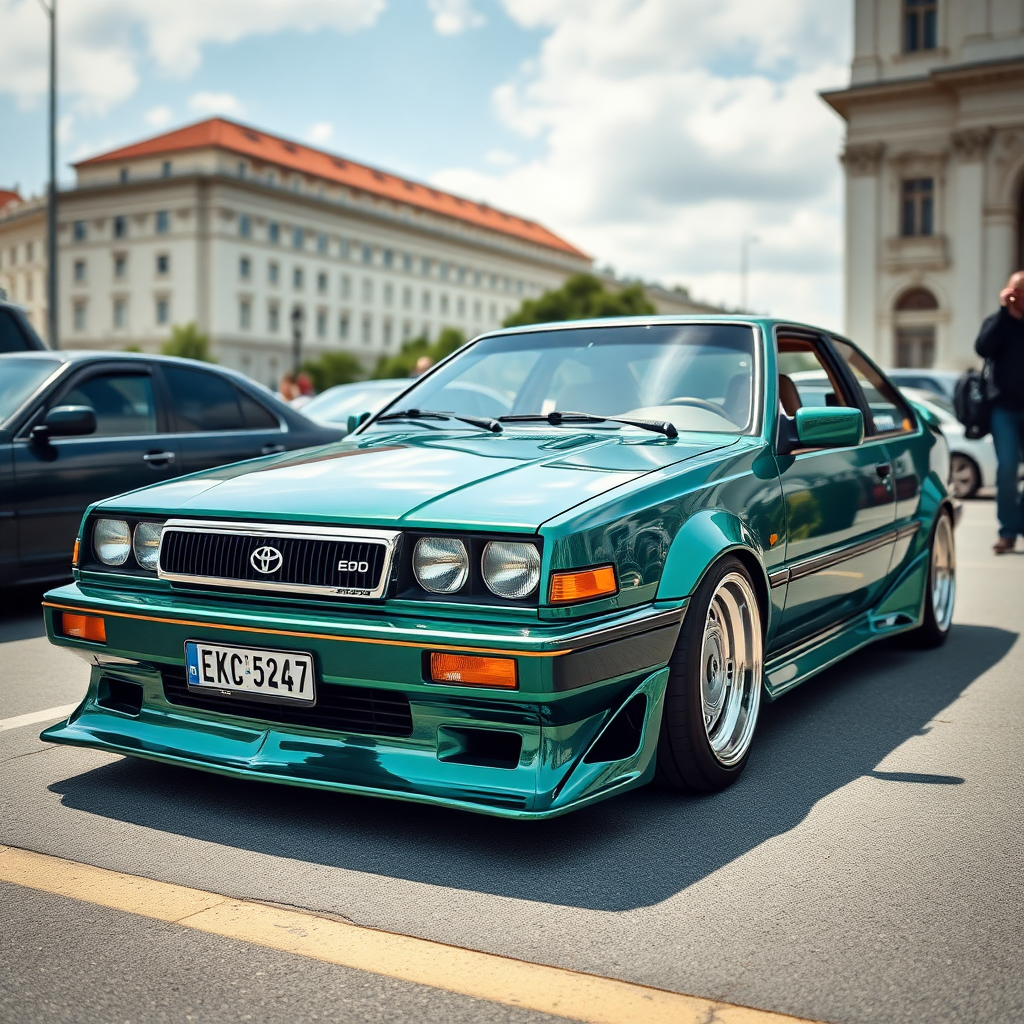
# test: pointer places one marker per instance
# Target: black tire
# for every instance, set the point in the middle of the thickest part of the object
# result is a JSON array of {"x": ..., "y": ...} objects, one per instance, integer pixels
[
  {"x": 687, "y": 758},
  {"x": 938, "y": 604},
  {"x": 964, "y": 476}
]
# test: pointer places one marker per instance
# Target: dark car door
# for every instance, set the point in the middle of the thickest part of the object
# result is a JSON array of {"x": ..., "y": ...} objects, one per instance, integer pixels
[
  {"x": 57, "y": 479},
  {"x": 217, "y": 422},
  {"x": 840, "y": 504}
]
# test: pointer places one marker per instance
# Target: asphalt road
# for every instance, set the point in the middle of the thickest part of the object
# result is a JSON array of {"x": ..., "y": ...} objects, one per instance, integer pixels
[{"x": 867, "y": 867}]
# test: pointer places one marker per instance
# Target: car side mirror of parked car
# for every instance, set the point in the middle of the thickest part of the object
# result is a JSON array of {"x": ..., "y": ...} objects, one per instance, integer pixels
[
  {"x": 354, "y": 421},
  {"x": 65, "y": 421},
  {"x": 829, "y": 427}
]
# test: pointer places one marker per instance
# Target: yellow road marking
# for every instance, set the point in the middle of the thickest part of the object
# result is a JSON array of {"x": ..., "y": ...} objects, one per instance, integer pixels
[
  {"x": 425, "y": 642},
  {"x": 497, "y": 979},
  {"x": 34, "y": 717}
]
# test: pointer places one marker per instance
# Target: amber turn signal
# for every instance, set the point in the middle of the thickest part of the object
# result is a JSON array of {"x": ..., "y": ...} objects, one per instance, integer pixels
[
  {"x": 473, "y": 670},
  {"x": 582, "y": 584},
  {"x": 84, "y": 627},
  {"x": 74, "y": 555}
]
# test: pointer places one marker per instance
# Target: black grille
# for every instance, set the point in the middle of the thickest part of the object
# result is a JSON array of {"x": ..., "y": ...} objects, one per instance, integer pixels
[
  {"x": 305, "y": 561},
  {"x": 338, "y": 708}
]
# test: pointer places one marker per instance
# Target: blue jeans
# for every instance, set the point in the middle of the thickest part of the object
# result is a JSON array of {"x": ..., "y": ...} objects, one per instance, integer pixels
[{"x": 1008, "y": 435}]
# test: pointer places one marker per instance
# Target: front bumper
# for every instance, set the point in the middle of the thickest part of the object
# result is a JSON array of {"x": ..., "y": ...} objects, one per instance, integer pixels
[{"x": 577, "y": 684}]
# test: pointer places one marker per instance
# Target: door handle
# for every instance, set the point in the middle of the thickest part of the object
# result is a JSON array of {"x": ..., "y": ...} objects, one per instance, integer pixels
[
  {"x": 157, "y": 458},
  {"x": 883, "y": 469},
  {"x": 271, "y": 449}
]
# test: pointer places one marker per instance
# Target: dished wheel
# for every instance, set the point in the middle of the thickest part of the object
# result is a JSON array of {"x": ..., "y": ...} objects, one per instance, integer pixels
[
  {"x": 940, "y": 590},
  {"x": 964, "y": 478},
  {"x": 714, "y": 687}
]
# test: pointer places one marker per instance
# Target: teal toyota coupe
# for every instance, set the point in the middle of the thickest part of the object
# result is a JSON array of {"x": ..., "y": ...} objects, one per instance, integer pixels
[{"x": 569, "y": 560}]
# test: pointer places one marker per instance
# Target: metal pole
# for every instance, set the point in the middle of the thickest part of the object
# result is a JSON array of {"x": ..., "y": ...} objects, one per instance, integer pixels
[{"x": 51, "y": 213}]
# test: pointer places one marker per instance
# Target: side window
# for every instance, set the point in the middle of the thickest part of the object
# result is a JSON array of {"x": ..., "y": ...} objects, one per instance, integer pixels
[
  {"x": 202, "y": 401},
  {"x": 890, "y": 414},
  {"x": 123, "y": 403},
  {"x": 256, "y": 416},
  {"x": 804, "y": 380},
  {"x": 11, "y": 337}
]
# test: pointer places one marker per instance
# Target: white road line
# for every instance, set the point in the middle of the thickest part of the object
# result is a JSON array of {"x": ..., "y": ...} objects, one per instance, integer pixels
[{"x": 35, "y": 717}]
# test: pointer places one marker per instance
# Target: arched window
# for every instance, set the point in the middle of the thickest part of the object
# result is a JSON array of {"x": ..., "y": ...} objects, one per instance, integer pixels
[
  {"x": 916, "y": 299},
  {"x": 914, "y": 344}
]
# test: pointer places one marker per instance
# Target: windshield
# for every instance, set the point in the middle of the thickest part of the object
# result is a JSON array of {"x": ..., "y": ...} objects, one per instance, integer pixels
[
  {"x": 337, "y": 404},
  {"x": 19, "y": 377},
  {"x": 695, "y": 376}
]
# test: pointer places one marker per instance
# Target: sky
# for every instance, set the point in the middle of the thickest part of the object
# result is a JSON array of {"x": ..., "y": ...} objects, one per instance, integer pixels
[{"x": 653, "y": 134}]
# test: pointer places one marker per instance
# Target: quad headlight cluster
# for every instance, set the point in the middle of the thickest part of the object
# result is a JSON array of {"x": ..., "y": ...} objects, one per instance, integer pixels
[
  {"x": 113, "y": 540},
  {"x": 510, "y": 569}
]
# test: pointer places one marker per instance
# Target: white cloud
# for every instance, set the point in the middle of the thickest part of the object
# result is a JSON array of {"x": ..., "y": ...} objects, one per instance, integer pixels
[
  {"x": 216, "y": 103},
  {"x": 320, "y": 133},
  {"x": 671, "y": 127},
  {"x": 501, "y": 158},
  {"x": 103, "y": 42},
  {"x": 453, "y": 17},
  {"x": 159, "y": 116}
]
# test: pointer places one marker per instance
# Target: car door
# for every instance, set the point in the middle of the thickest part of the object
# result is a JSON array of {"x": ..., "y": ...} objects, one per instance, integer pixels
[
  {"x": 58, "y": 478},
  {"x": 216, "y": 422},
  {"x": 840, "y": 504}
]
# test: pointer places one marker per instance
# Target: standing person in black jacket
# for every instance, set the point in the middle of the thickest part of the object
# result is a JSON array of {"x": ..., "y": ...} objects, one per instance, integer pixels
[{"x": 1001, "y": 342}]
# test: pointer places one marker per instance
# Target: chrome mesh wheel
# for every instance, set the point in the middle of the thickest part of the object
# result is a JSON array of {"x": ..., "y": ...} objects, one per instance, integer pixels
[{"x": 731, "y": 668}]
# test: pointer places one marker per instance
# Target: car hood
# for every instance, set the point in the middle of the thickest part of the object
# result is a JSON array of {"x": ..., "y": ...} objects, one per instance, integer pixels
[{"x": 512, "y": 481}]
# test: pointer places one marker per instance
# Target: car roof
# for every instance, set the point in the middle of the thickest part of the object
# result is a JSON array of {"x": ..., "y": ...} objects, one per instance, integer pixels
[{"x": 746, "y": 319}]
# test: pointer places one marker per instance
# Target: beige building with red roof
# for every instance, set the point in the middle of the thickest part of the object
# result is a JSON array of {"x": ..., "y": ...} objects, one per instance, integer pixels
[{"x": 244, "y": 232}]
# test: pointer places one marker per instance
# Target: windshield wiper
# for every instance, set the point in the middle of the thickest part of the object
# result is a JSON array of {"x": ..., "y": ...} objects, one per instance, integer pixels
[
  {"x": 556, "y": 417},
  {"x": 483, "y": 422}
]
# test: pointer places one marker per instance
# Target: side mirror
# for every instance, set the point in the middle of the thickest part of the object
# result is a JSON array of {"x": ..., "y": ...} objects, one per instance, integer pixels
[
  {"x": 829, "y": 427},
  {"x": 355, "y": 421},
  {"x": 65, "y": 421}
]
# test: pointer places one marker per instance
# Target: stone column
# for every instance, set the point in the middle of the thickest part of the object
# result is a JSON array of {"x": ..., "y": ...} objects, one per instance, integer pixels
[{"x": 863, "y": 162}]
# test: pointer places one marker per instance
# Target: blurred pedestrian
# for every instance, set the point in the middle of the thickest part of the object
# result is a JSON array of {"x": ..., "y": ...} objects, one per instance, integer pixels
[
  {"x": 423, "y": 364},
  {"x": 1001, "y": 344},
  {"x": 288, "y": 389},
  {"x": 304, "y": 390}
]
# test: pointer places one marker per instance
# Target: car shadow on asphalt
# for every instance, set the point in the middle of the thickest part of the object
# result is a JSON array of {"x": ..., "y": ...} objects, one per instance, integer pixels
[{"x": 635, "y": 850}]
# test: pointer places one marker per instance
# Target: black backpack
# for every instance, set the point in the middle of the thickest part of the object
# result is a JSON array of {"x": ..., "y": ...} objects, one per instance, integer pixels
[{"x": 971, "y": 403}]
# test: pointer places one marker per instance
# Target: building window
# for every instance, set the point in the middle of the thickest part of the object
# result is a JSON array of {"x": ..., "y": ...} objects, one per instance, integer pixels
[
  {"x": 120, "y": 265},
  {"x": 165, "y": 169},
  {"x": 162, "y": 222},
  {"x": 406, "y": 330},
  {"x": 120, "y": 227},
  {"x": 123, "y": 175},
  {"x": 918, "y": 206},
  {"x": 321, "y": 283},
  {"x": 386, "y": 333},
  {"x": 273, "y": 233},
  {"x": 241, "y": 168},
  {"x": 425, "y": 266},
  {"x": 321, "y": 323},
  {"x": 444, "y": 304},
  {"x": 389, "y": 293},
  {"x": 462, "y": 274},
  {"x": 367, "y": 290},
  {"x": 297, "y": 279},
  {"x": 321, "y": 243},
  {"x": 79, "y": 271},
  {"x": 367, "y": 330},
  {"x": 272, "y": 273},
  {"x": 245, "y": 226},
  {"x": 477, "y": 310},
  {"x": 367, "y": 253},
  {"x": 298, "y": 238},
  {"x": 406, "y": 261},
  {"x": 244, "y": 268},
  {"x": 80, "y": 231},
  {"x": 346, "y": 286},
  {"x": 389, "y": 257},
  {"x": 120, "y": 313},
  {"x": 343, "y": 248},
  {"x": 426, "y": 302},
  {"x": 920, "y": 25},
  {"x": 79, "y": 316},
  {"x": 30, "y": 251},
  {"x": 406, "y": 298},
  {"x": 163, "y": 311},
  {"x": 460, "y": 306},
  {"x": 163, "y": 263},
  {"x": 343, "y": 327},
  {"x": 444, "y": 271},
  {"x": 245, "y": 314},
  {"x": 915, "y": 347},
  {"x": 273, "y": 318}
]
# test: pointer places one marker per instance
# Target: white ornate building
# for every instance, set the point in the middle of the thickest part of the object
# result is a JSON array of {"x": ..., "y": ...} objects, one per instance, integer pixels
[
  {"x": 236, "y": 230},
  {"x": 934, "y": 163}
]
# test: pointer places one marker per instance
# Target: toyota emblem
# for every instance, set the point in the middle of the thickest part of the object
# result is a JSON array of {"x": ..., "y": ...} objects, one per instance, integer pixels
[{"x": 266, "y": 559}]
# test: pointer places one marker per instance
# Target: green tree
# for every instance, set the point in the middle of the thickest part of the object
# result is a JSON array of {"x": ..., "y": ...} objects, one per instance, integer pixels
[
  {"x": 333, "y": 368},
  {"x": 403, "y": 363},
  {"x": 582, "y": 297},
  {"x": 188, "y": 342}
]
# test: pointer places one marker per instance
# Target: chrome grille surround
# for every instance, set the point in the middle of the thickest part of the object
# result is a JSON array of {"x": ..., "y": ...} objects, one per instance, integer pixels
[{"x": 387, "y": 540}]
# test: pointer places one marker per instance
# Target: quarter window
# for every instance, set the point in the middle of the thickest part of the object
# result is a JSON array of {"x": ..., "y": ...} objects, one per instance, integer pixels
[{"x": 890, "y": 414}]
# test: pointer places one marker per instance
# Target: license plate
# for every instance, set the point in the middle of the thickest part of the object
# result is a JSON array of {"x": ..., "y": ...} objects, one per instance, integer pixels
[{"x": 279, "y": 676}]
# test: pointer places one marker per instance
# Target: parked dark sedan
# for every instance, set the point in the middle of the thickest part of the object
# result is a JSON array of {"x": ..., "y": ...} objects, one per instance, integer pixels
[
  {"x": 16, "y": 331},
  {"x": 76, "y": 427}
]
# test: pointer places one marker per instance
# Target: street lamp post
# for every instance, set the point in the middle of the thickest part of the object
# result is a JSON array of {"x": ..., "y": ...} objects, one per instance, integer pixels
[
  {"x": 745, "y": 243},
  {"x": 51, "y": 203},
  {"x": 297, "y": 316}
]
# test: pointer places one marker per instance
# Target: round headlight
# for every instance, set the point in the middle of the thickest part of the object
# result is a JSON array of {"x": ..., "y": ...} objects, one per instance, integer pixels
[
  {"x": 112, "y": 541},
  {"x": 146, "y": 545},
  {"x": 511, "y": 570},
  {"x": 441, "y": 564}
]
